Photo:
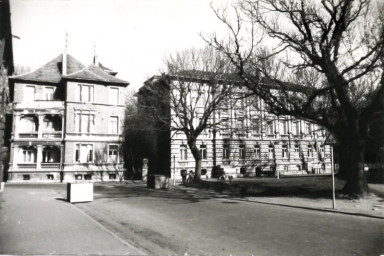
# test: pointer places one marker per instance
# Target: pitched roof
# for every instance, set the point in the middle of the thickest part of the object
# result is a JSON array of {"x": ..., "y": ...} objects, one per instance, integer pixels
[
  {"x": 52, "y": 72},
  {"x": 94, "y": 73}
]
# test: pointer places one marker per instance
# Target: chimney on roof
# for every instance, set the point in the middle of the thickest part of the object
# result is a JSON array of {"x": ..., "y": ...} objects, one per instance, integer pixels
[
  {"x": 95, "y": 57},
  {"x": 64, "y": 67}
]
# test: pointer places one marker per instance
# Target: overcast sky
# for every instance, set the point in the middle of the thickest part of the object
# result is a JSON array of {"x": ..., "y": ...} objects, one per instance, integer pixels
[{"x": 131, "y": 36}]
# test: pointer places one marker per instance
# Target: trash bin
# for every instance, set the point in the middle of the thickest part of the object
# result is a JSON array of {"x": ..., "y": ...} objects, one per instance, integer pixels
[{"x": 79, "y": 192}]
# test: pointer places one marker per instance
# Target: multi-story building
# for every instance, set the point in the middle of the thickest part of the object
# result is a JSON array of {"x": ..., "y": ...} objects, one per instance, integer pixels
[
  {"x": 67, "y": 122},
  {"x": 249, "y": 140}
]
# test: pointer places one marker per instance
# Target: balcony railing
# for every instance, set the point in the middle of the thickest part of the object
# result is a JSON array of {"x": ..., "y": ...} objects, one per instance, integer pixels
[
  {"x": 39, "y": 105},
  {"x": 50, "y": 165},
  {"x": 52, "y": 135},
  {"x": 27, "y": 166},
  {"x": 28, "y": 135}
]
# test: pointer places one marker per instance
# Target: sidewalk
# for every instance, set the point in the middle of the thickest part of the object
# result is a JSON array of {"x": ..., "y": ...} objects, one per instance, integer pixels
[
  {"x": 370, "y": 206},
  {"x": 38, "y": 221}
]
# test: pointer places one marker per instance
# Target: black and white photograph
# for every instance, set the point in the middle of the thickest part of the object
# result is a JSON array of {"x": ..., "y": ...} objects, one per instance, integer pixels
[{"x": 192, "y": 127}]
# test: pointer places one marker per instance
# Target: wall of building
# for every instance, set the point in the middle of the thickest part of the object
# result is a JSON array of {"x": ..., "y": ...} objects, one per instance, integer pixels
[{"x": 238, "y": 116}]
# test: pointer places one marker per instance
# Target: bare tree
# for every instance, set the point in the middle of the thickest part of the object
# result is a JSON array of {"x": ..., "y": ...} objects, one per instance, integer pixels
[
  {"x": 195, "y": 85},
  {"x": 329, "y": 54}
]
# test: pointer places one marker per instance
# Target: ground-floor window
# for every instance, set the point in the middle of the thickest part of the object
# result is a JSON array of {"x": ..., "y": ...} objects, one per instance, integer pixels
[
  {"x": 226, "y": 151},
  {"x": 183, "y": 152},
  {"x": 270, "y": 151},
  {"x": 112, "y": 176},
  {"x": 284, "y": 150},
  {"x": 28, "y": 155},
  {"x": 84, "y": 153},
  {"x": 203, "y": 151},
  {"x": 113, "y": 153},
  {"x": 242, "y": 151},
  {"x": 257, "y": 151}
]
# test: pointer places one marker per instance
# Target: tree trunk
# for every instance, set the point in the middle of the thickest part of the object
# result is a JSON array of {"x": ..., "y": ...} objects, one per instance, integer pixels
[
  {"x": 197, "y": 169},
  {"x": 352, "y": 165},
  {"x": 197, "y": 156}
]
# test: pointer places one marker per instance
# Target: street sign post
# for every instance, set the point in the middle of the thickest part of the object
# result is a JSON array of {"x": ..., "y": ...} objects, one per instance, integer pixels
[{"x": 330, "y": 140}]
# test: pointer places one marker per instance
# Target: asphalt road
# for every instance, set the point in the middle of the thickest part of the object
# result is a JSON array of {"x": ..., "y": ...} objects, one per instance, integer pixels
[
  {"x": 166, "y": 222},
  {"x": 204, "y": 223}
]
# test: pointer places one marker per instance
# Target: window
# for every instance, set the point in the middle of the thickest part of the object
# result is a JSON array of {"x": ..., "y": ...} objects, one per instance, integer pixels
[
  {"x": 295, "y": 127},
  {"x": 112, "y": 176},
  {"x": 310, "y": 150},
  {"x": 113, "y": 124},
  {"x": 87, "y": 176},
  {"x": 48, "y": 93},
  {"x": 78, "y": 177},
  {"x": 270, "y": 127},
  {"x": 242, "y": 151},
  {"x": 85, "y": 93},
  {"x": 83, "y": 153},
  {"x": 29, "y": 93},
  {"x": 322, "y": 151},
  {"x": 257, "y": 151},
  {"x": 284, "y": 127},
  {"x": 226, "y": 151},
  {"x": 203, "y": 152},
  {"x": 28, "y": 156},
  {"x": 256, "y": 125},
  {"x": 308, "y": 128},
  {"x": 26, "y": 177},
  {"x": 114, "y": 95},
  {"x": 49, "y": 176},
  {"x": 297, "y": 149},
  {"x": 270, "y": 151},
  {"x": 284, "y": 151},
  {"x": 113, "y": 152},
  {"x": 84, "y": 122},
  {"x": 183, "y": 152},
  {"x": 240, "y": 125}
]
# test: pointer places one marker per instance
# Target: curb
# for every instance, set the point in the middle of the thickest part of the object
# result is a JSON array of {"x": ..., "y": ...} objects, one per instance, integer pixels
[{"x": 313, "y": 209}]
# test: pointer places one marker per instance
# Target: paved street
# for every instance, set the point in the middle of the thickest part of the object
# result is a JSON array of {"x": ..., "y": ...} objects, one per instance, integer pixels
[{"x": 206, "y": 223}]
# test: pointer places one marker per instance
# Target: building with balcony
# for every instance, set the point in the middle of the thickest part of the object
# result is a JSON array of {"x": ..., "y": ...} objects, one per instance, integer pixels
[
  {"x": 67, "y": 122},
  {"x": 247, "y": 140}
]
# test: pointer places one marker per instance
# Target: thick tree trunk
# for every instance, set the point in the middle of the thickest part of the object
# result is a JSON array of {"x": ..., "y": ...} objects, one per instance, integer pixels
[
  {"x": 197, "y": 169},
  {"x": 352, "y": 165}
]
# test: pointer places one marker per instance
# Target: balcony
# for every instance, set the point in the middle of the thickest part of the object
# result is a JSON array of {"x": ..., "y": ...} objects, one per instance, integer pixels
[
  {"x": 50, "y": 165},
  {"x": 35, "y": 166},
  {"x": 27, "y": 166},
  {"x": 28, "y": 135},
  {"x": 39, "y": 105},
  {"x": 50, "y": 135}
]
